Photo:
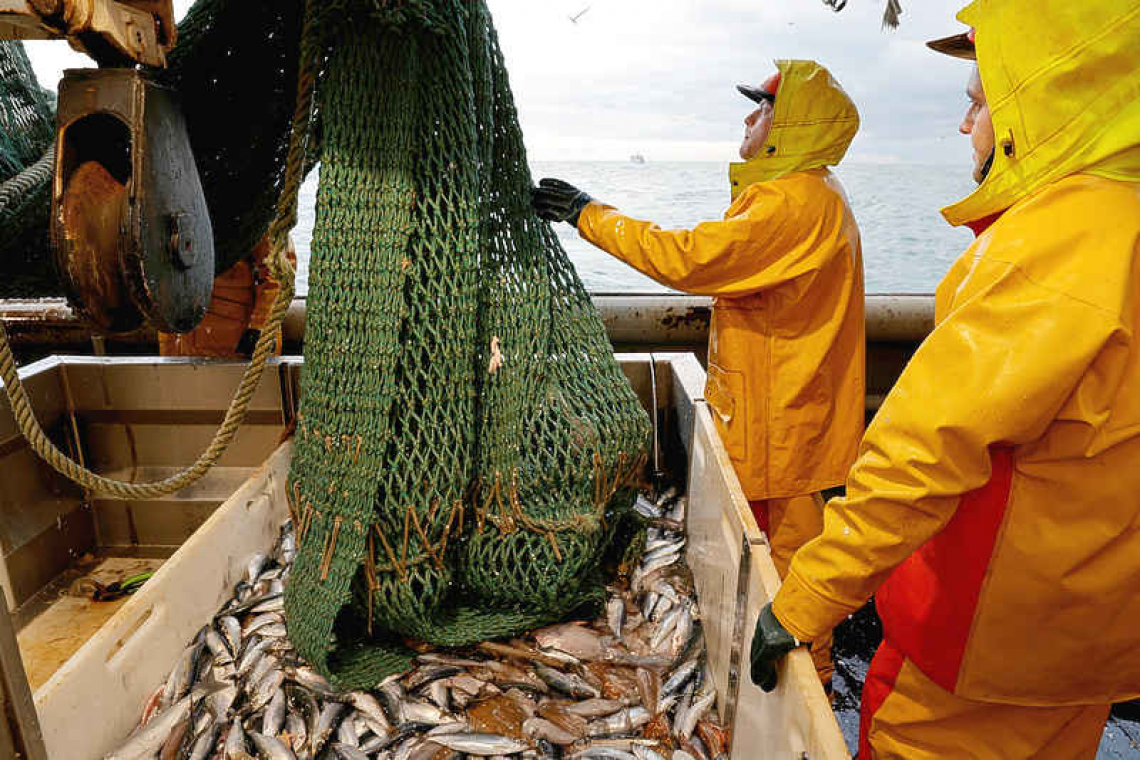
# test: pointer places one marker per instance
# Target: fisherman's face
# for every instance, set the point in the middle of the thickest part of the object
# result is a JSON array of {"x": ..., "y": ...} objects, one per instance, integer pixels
[
  {"x": 756, "y": 128},
  {"x": 977, "y": 124}
]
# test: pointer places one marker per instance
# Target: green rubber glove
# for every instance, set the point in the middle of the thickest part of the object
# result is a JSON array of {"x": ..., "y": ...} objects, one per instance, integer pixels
[
  {"x": 558, "y": 201},
  {"x": 769, "y": 645}
]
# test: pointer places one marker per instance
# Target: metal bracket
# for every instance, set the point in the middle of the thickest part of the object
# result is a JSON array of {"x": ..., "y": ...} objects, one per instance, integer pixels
[{"x": 110, "y": 31}]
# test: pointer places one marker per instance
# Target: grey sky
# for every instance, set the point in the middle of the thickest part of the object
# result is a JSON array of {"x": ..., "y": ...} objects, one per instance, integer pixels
[{"x": 656, "y": 76}]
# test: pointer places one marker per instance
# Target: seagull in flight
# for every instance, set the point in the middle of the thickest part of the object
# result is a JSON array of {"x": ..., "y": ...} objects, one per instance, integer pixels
[{"x": 578, "y": 15}]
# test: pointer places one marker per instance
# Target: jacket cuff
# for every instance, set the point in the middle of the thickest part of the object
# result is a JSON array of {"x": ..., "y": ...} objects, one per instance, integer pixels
[
  {"x": 804, "y": 612},
  {"x": 587, "y": 219}
]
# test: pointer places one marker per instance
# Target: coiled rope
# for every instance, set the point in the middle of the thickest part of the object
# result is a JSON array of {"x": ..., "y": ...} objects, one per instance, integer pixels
[{"x": 279, "y": 266}]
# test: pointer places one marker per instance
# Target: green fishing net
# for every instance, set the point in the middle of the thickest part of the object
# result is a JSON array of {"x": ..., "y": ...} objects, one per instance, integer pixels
[
  {"x": 467, "y": 445},
  {"x": 27, "y": 128}
]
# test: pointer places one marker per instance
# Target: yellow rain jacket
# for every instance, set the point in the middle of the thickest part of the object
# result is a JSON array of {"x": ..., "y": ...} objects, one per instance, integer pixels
[
  {"x": 997, "y": 492},
  {"x": 786, "y": 346}
]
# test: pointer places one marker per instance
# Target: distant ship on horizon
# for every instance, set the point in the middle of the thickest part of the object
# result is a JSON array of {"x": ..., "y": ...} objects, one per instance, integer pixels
[{"x": 637, "y": 158}]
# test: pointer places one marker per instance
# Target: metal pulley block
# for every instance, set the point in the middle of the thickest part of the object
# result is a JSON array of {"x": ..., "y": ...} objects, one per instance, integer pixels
[{"x": 130, "y": 228}]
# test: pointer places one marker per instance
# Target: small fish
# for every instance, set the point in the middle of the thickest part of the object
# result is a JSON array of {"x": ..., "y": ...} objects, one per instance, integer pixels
[
  {"x": 567, "y": 683},
  {"x": 679, "y": 677},
  {"x": 603, "y": 753},
  {"x": 348, "y": 752},
  {"x": 646, "y": 508},
  {"x": 695, "y": 713},
  {"x": 266, "y": 618},
  {"x": 252, "y": 654},
  {"x": 273, "y": 720},
  {"x": 594, "y": 708},
  {"x": 422, "y": 712},
  {"x": 230, "y": 628},
  {"x": 645, "y": 753},
  {"x": 271, "y": 748},
  {"x": 615, "y": 615},
  {"x": 624, "y": 720},
  {"x": 253, "y": 568},
  {"x": 367, "y": 705},
  {"x": 324, "y": 726},
  {"x": 235, "y": 747},
  {"x": 541, "y": 728},
  {"x": 481, "y": 744},
  {"x": 147, "y": 741},
  {"x": 311, "y": 680},
  {"x": 274, "y": 603},
  {"x": 422, "y": 676},
  {"x": 203, "y": 746},
  {"x": 218, "y": 646},
  {"x": 297, "y": 730},
  {"x": 346, "y": 734}
]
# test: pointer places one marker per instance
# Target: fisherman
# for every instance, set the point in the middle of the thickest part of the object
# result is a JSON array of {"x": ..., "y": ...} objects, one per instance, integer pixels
[
  {"x": 995, "y": 505},
  {"x": 786, "y": 344},
  {"x": 239, "y": 308}
]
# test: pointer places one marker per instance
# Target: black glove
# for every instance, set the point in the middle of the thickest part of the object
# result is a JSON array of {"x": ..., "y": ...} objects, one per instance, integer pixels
[
  {"x": 769, "y": 645},
  {"x": 247, "y": 343},
  {"x": 558, "y": 201}
]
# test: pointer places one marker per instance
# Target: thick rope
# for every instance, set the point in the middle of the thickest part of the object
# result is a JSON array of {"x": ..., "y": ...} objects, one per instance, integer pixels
[
  {"x": 27, "y": 180},
  {"x": 281, "y": 269}
]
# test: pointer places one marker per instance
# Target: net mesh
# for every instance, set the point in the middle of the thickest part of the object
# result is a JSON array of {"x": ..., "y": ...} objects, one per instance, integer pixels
[
  {"x": 27, "y": 128},
  {"x": 466, "y": 444},
  {"x": 467, "y": 447}
]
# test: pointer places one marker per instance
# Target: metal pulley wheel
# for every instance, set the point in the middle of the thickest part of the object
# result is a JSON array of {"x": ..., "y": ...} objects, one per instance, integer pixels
[{"x": 130, "y": 228}]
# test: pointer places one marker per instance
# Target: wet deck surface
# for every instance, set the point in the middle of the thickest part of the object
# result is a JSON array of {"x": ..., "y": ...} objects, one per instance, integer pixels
[
  {"x": 67, "y": 621},
  {"x": 858, "y": 637}
]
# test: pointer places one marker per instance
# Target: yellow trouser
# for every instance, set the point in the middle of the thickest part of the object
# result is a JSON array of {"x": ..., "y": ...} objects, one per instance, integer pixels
[
  {"x": 790, "y": 523},
  {"x": 907, "y": 716}
]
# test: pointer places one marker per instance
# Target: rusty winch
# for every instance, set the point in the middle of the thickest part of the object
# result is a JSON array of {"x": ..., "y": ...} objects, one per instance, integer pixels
[{"x": 129, "y": 225}]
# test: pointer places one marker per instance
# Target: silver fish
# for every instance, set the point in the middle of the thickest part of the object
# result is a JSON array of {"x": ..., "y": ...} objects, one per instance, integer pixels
[
  {"x": 683, "y": 705},
  {"x": 666, "y": 627},
  {"x": 481, "y": 744},
  {"x": 567, "y": 683},
  {"x": 698, "y": 710},
  {"x": 271, "y": 748},
  {"x": 263, "y": 619},
  {"x": 235, "y": 747},
  {"x": 203, "y": 746},
  {"x": 274, "y": 604},
  {"x": 324, "y": 726},
  {"x": 367, "y": 705},
  {"x": 297, "y": 730},
  {"x": 625, "y": 720},
  {"x": 266, "y": 664},
  {"x": 645, "y": 753},
  {"x": 646, "y": 508},
  {"x": 679, "y": 677},
  {"x": 348, "y": 752},
  {"x": 146, "y": 742},
  {"x": 346, "y": 733},
  {"x": 253, "y": 569},
  {"x": 251, "y": 655},
  {"x": 231, "y": 630},
  {"x": 437, "y": 693},
  {"x": 594, "y": 708},
  {"x": 311, "y": 680},
  {"x": 602, "y": 753},
  {"x": 273, "y": 631},
  {"x": 218, "y": 646},
  {"x": 422, "y": 712},
  {"x": 615, "y": 615},
  {"x": 273, "y": 720},
  {"x": 457, "y": 727},
  {"x": 540, "y": 728}
]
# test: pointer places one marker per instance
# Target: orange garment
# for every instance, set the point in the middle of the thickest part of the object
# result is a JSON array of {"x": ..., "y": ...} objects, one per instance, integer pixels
[
  {"x": 242, "y": 300},
  {"x": 906, "y": 716},
  {"x": 995, "y": 498},
  {"x": 789, "y": 524},
  {"x": 786, "y": 343}
]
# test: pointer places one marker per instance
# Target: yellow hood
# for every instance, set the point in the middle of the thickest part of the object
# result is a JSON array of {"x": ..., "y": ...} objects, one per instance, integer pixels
[
  {"x": 812, "y": 126},
  {"x": 1063, "y": 86}
]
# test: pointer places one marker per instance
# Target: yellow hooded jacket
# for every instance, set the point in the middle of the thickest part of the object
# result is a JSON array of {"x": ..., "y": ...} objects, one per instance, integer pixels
[
  {"x": 786, "y": 347},
  {"x": 996, "y": 496}
]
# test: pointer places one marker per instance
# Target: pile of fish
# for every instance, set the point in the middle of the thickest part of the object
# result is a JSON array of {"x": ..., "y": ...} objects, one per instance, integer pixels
[{"x": 631, "y": 686}]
